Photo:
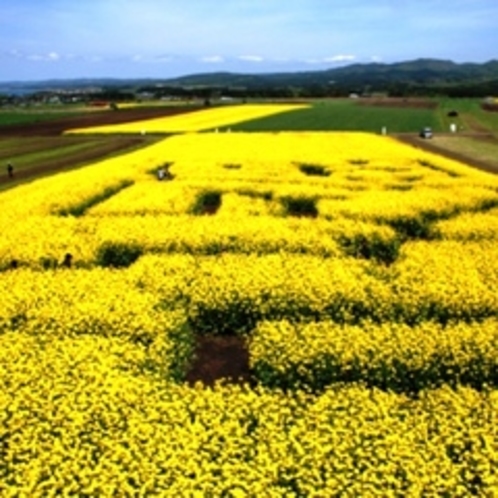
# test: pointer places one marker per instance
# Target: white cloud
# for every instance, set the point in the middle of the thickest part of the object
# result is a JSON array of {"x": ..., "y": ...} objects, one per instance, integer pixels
[
  {"x": 251, "y": 58},
  {"x": 213, "y": 59},
  {"x": 331, "y": 59},
  {"x": 340, "y": 58},
  {"x": 50, "y": 57}
]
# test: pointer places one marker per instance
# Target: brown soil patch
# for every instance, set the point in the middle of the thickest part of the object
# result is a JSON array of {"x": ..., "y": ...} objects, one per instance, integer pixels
[
  {"x": 490, "y": 107},
  {"x": 219, "y": 357},
  {"x": 57, "y": 126},
  {"x": 413, "y": 103},
  {"x": 427, "y": 145}
]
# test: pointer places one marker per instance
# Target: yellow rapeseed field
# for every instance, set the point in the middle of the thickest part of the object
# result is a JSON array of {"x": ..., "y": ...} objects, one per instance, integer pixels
[
  {"x": 360, "y": 273},
  {"x": 206, "y": 119}
]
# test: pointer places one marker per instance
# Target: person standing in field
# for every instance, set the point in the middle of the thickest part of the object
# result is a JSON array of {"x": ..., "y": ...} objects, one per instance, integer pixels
[
  {"x": 10, "y": 170},
  {"x": 68, "y": 260}
]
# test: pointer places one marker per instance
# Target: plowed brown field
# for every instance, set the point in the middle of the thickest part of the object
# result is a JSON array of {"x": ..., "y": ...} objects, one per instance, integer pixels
[{"x": 91, "y": 118}]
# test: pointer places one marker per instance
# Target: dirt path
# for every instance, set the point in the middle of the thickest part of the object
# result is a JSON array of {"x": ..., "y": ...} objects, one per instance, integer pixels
[
  {"x": 473, "y": 124},
  {"x": 429, "y": 146}
]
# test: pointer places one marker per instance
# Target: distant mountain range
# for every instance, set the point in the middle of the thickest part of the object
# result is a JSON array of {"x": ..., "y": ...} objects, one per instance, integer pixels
[
  {"x": 417, "y": 76},
  {"x": 421, "y": 71}
]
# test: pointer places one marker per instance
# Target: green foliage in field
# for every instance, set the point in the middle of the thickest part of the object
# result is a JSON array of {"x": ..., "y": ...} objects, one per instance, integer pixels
[
  {"x": 208, "y": 202},
  {"x": 300, "y": 206},
  {"x": 80, "y": 208},
  {"x": 471, "y": 116},
  {"x": 376, "y": 248},
  {"x": 314, "y": 169},
  {"x": 118, "y": 254},
  {"x": 488, "y": 119},
  {"x": 345, "y": 115},
  {"x": 44, "y": 151},
  {"x": 27, "y": 116}
]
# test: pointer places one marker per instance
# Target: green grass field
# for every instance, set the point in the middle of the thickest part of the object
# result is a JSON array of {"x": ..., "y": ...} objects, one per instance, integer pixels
[
  {"x": 27, "y": 115},
  {"x": 346, "y": 115},
  {"x": 349, "y": 115},
  {"x": 471, "y": 117},
  {"x": 472, "y": 147}
]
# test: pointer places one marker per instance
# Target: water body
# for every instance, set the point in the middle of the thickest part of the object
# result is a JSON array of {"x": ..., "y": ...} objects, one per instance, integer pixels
[{"x": 17, "y": 91}]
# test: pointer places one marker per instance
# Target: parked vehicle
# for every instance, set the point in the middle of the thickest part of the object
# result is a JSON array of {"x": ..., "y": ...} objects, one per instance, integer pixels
[{"x": 426, "y": 132}]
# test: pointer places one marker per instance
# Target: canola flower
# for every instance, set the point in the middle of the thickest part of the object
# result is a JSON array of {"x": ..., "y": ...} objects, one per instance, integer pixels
[
  {"x": 74, "y": 423},
  {"x": 389, "y": 355},
  {"x": 470, "y": 226},
  {"x": 66, "y": 304},
  {"x": 232, "y": 291},
  {"x": 227, "y": 232},
  {"x": 195, "y": 121},
  {"x": 390, "y": 283},
  {"x": 255, "y": 175},
  {"x": 446, "y": 281},
  {"x": 432, "y": 202}
]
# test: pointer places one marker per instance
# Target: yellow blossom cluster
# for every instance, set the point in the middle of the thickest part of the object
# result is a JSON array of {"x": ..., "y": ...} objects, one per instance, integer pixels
[
  {"x": 347, "y": 262},
  {"x": 435, "y": 202},
  {"x": 227, "y": 232},
  {"x": 258, "y": 176},
  {"x": 430, "y": 281},
  {"x": 73, "y": 423},
  {"x": 205, "y": 119},
  {"x": 390, "y": 355},
  {"x": 65, "y": 304},
  {"x": 470, "y": 226},
  {"x": 445, "y": 280},
  {"x": 229, "y": 293}
]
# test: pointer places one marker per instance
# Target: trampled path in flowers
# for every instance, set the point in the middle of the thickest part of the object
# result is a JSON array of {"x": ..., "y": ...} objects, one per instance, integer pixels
[{"x": 217, "y": 358}]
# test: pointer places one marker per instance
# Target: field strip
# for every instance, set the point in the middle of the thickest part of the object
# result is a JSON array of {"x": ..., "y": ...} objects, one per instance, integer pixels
[{"x": 201, "y": 120}]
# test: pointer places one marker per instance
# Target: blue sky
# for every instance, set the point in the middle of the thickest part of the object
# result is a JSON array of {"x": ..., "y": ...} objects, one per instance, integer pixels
[{"x": 43, "y": 39}]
